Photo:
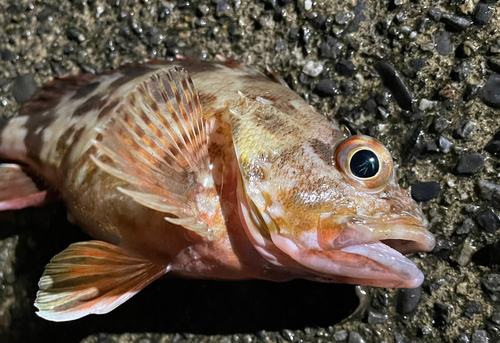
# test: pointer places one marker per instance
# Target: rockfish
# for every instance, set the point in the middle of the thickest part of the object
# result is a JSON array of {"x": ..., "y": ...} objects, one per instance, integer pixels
[{"x": 204, "y": 170}]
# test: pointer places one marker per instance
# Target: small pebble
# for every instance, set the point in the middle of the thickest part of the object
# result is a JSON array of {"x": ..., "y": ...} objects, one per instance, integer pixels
[
  {"x": 462, "y": 338},
  {"x": 76, "y": 35},
  {"x": 7, "y": 55},
  {"x": 375, "y": 318},
  {"x": 426, "y": 104},
  {"x": 495, "y": 318},
  {"x": 464, "y": 128},
  {"x": 408, "y": 300},
  {"x": 418, "y": 64},
  {"x": 480, "y": 336},
  {"x": 493, "y": 146},
  {"x": 444, "y": 145},
  {"x": 470, "y": 92},
  {"x": 442, "y": 313},
  {"x": 398, "y": 337},
  {"x": 340, "y": 336},
  {"x": 483, "y": 14},
  {"x": 345, "y": 68},
  {"x": 488, "y": 220},
  {"x": 470, "y": 164},
  {"x": 431, "y": 147},
  {"x": 24, "y": 87},
  {"x": 312, "y": 68},
  {"x": 436, "y": 13},
  {"x": 396, "y": 85},
  {"x": 355, "y": 337},
  {"x": 443, "y": 43},
  {"x": 490, "y": 93},
  {"x": 461, "y": 71},
  {"x": 326, "y": 88},
  {"x": 440, "y": 124},
  {"x": 490, "y": 192},
  {"x": 466, "y": 227},
  {"x": 425, "y": 191},
  {"x": 455, "y": 23},
  {"x": 473, "y": 308},
  {"x": 330, "y": 48}
]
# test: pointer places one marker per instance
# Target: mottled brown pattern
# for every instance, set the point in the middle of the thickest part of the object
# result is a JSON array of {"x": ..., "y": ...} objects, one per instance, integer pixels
[
  {"x": 90, "y": 104},
  {"x": 49, "y": 96},
  {"x": 85, "y": 90},
  {"x": 323, "y": 150},
  {"x": 62, "y": 142},
  {"x": 34, "y": 142},
  {"x": 107, "y": 107},
  {"x": 130, "y": 72}
]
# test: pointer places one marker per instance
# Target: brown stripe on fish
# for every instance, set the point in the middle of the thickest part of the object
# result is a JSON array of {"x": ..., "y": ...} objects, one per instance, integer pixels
[
  {"x": 130, "y": 72},
  {"x": 85, "y": 90},
  {"x": 49, "y": 96},
  {"x": 323, "y": 150},
  {"x": 92, "y": 103},
  {"x": 34, "y": 139}
]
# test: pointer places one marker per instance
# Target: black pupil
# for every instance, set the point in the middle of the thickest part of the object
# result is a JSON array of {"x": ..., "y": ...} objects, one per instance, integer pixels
[{"x": 364, "y": 164}]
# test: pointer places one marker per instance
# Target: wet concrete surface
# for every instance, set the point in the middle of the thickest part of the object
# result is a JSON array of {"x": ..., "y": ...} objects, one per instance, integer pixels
[{"x": 421, "y": 76}]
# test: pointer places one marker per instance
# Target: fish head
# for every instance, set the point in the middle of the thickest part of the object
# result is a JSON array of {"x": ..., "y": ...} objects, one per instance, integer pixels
[{"x": 338, "y": 216}]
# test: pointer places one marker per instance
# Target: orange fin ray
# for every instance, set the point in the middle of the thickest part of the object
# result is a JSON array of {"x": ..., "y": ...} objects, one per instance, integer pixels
[
  {"x": 158, "y": 143},
  {"x": 18, "y": 190},
  {"x": 92, "y": 278}
]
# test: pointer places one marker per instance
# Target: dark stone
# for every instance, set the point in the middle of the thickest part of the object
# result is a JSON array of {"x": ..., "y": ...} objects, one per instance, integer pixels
[
  {"x": 383, "y": 98},
  {"x": 75, "y": 35},
  {"x": 326, "y": 88},
  {"x": 294, "y": 34},
  {"x": 381, "y": 301},
  {"x": 346, "y": 87},
  {"x": 461, "y": 71},
  {"x": 394, "y": 82},
  {"x": 172, "y": 49},
  {"x": 470, "y": 92},
  {"x": 359, "y": 16},
  {"x": 494, "y": 64},
  {"x": 345, "y": 68},
  {"x": 442, "y": 244},
  {"x": 408, "y": 300},
  {"x": 442, "y": 313},
  {"x": 163, "y": 13},
  {"x": 330, "y": 48},
  {"x": 464, "y": 128},
  {"x": 7, "y": 55},
  {"x": 444, "y": 144},
  {"x": 202, "y": 10},
  {"x": 435, "y": 284},
  {"x": 418, "y": 64},
  {"x": 473, "y": 308},
  {"x": 480, "y": 336},
  {"x": 24, "y": 87},
  {"x": 470, "y": 163},
  {"x": 355, "y": 337},
  {"x": 443, "y": 43},
  {"x": 493, "y": 147},
  {"x": 436, "y": 13},
  {"x": 490, "y": 93},
  {"x": 483, "y": 14},
  {"x": 431, "y": 147},
  {"x": 398, "y": 337},
  {"x": 466, "y": 227},
  {"x": 370, "y": 105},
  {"x": 495, "y": 318},
  {"x": 382, "y": 113},
  {"x": 45, "y": 14},
  {"x": 425, "y": 191},
  {"x": 317, "y": 20},
  {"x": 491, "y": 282},
  {"x": 462, "y": 338},
  {"x": 375, "y": 318},
  {"x": 455, "y": 23},
  {"x": 488, "y": 220},
  {"x": 440, "y": 124},
  {"x": 490, "y": 192}
]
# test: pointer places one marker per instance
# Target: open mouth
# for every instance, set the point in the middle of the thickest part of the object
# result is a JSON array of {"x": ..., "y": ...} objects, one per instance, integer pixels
[{"x": 365, "y": 253}]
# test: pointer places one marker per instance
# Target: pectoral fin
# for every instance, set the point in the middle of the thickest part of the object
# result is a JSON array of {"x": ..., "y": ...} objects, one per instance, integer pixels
[
  {"x": 157, "y": 142},
  {"x": 92, "y": 278},
  {"x": 18, "y": 190}
]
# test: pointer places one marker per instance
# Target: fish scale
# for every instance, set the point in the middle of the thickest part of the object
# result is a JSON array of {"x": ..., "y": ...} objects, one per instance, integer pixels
[{"x": 204, "y": 170}]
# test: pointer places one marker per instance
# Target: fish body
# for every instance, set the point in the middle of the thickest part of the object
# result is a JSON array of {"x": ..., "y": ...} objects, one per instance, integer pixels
[{"x": 204, "y": 170}]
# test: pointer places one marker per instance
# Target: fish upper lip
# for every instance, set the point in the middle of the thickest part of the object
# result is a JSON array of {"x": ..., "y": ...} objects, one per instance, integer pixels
[{"x": 405, "y": 234}]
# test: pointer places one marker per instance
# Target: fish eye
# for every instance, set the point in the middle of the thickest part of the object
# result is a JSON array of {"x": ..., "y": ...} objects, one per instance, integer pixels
[{"x": 364, "y": 162}]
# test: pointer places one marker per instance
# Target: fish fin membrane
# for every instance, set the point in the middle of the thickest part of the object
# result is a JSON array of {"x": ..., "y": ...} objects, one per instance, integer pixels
[
  {"x": 92, "y": 277},
  {"x": 19, "y": 190},
  {"x": 158, "y": 143}
]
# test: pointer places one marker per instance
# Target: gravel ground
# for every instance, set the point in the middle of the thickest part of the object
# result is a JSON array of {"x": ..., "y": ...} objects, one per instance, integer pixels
[{"x": 419, "y": 75}]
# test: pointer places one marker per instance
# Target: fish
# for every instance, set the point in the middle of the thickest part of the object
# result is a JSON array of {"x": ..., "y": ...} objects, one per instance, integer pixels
[{"x": 207, "y": 170}]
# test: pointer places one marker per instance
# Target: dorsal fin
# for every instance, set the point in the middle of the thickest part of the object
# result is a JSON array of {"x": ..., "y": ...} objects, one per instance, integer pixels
[{"x": 157, "y": 142}]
